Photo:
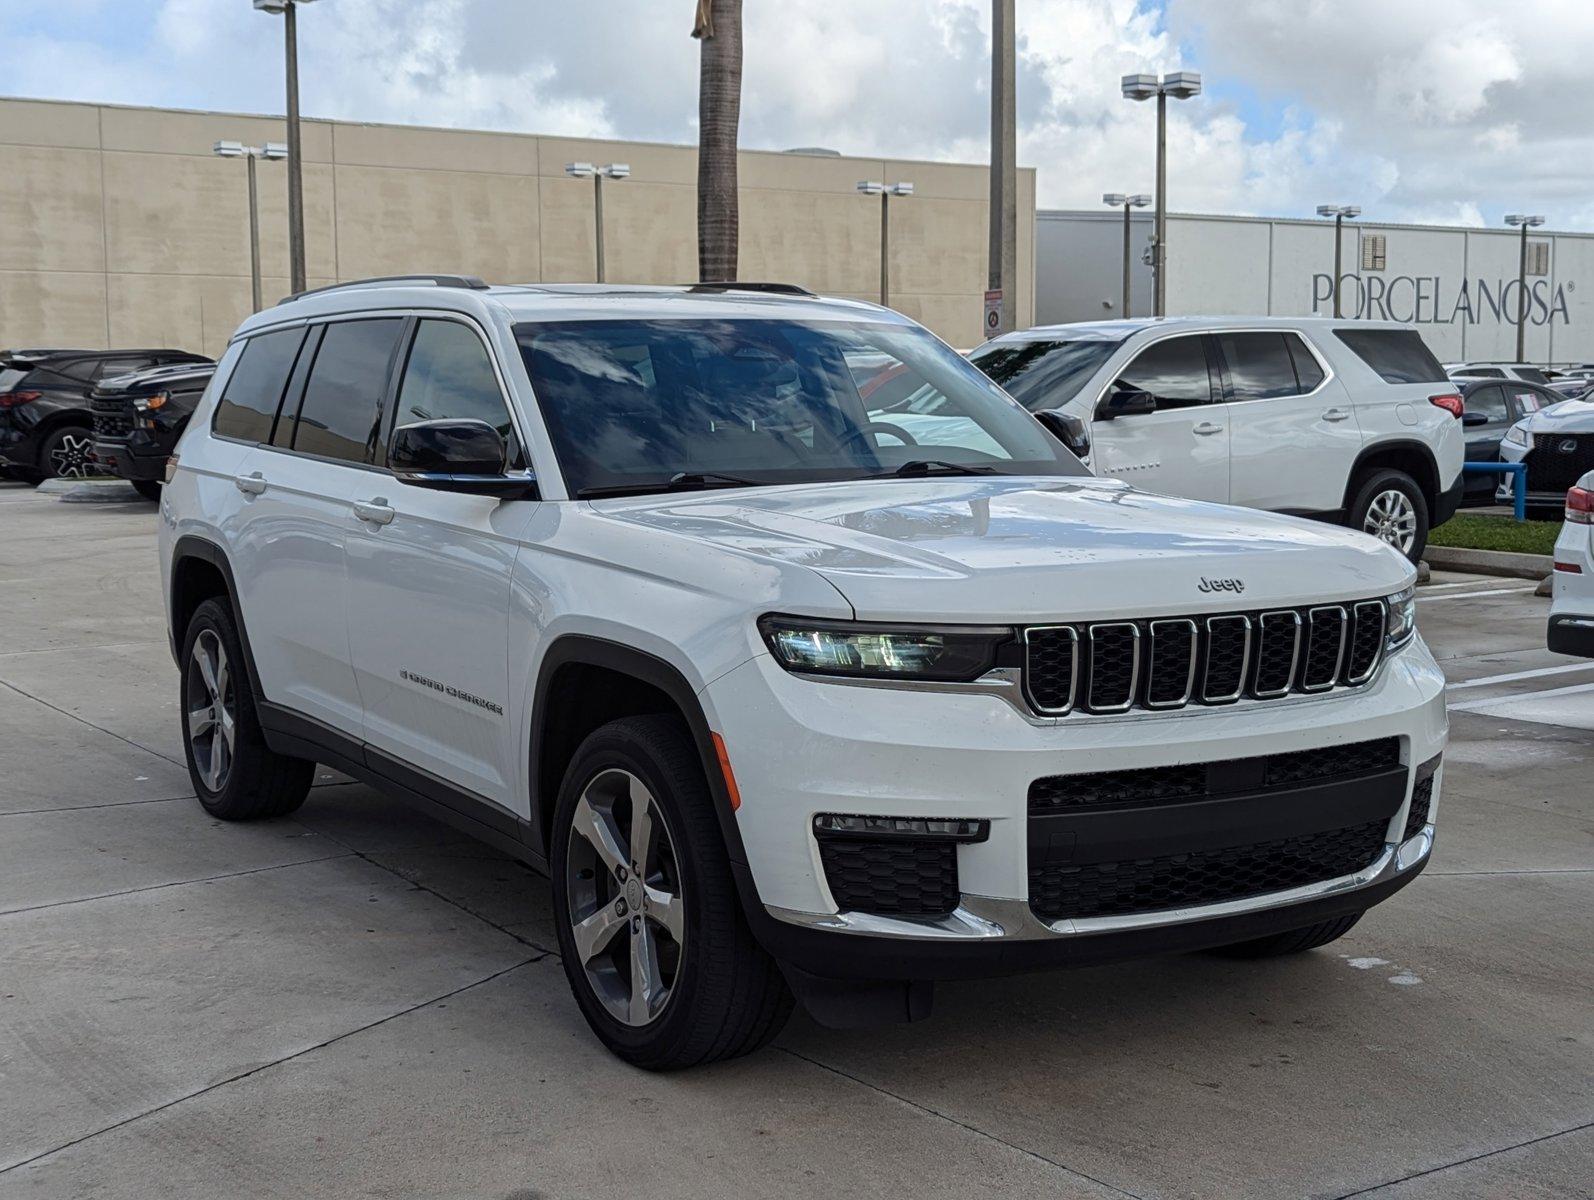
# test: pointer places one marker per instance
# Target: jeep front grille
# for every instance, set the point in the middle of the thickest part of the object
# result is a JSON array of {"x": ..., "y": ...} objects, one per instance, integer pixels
[{"x": 1169, "y": 662}]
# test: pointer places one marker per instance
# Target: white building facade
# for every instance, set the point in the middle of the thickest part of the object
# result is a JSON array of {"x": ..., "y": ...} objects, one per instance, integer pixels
[{"x": 1457, "y": 285}]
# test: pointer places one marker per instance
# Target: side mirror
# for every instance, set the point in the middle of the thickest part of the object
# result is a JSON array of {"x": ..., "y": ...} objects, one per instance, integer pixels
[
  {"x": 1125, "y": 401},
  {"x": 1068, "y": 429},
  {"x": 1474, "y": 418},
  {"x": 456, "y": 456}
]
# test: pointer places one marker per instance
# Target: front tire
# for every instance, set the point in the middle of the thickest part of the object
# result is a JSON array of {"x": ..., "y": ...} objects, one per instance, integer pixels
[
  {"x": 1390, "y": 506},
  {"x": 65, "y": 454},
  {"x": 236, "y": 776},
  {"x": 150, "y": 489},
  {"x": 654, "y": 942},
  {"x": 1292, "y": 941}
]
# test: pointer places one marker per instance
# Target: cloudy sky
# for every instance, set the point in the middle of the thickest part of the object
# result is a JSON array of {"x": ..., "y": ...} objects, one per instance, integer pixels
[{"x": 1451, "y": 111}]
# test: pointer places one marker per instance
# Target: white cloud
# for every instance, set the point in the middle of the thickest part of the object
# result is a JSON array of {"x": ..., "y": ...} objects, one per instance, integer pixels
[{"x": 1444, "y": 109}]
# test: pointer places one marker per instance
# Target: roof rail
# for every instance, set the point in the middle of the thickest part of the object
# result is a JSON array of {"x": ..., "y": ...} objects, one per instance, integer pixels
[
  {"x": 781, "y": 289},
  {"x": 458, "y": 281}
]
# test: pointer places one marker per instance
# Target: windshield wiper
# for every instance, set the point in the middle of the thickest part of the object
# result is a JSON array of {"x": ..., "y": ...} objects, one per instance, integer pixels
[
  {"x": 681, "y": 481},
  {"x": 925, "y": 466}
]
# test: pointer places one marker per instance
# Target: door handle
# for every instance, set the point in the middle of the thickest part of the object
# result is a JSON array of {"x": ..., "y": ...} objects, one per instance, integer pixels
[
  {"x": 376, "y": 511},
  {"x": 1207, "y": 429},
  {"x": 252, "y": 484},
  {"x": 1336, "y": 414}
]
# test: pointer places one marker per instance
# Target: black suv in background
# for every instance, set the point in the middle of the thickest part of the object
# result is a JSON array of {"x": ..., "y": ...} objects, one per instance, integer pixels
[
  {"x": 46, "y": 425},
  {"x": 139, "y": 417}
]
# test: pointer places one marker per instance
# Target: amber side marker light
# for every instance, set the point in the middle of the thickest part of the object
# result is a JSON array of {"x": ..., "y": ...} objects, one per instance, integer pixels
[
  {"x": 171, "y": 468},
  {"x": 725, "y": 769}
]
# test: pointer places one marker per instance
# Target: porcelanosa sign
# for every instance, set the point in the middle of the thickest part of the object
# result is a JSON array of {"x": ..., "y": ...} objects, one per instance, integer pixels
[{"x": 1430, "y": 300}]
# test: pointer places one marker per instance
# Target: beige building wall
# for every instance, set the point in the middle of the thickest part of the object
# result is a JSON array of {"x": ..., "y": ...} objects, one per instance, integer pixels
[{"x": 119, "y": 227}]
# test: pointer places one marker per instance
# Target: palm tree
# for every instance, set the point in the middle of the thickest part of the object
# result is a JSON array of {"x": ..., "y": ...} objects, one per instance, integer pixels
[{"x": 719, "y": 110}]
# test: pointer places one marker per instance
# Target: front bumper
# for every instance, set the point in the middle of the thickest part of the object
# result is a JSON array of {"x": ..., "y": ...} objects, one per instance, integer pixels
[
  {"x": 140, "y": 456},
  {"x": 801, "y": 747}
]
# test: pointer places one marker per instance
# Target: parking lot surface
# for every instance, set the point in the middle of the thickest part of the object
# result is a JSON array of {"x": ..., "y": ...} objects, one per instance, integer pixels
[{"x": 358, "y": 1001}]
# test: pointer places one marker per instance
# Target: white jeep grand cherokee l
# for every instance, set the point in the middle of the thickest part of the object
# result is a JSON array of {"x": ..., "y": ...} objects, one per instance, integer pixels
[
  {"x": 787, "y": 697},
  {"x": 1348, "y": 421}
]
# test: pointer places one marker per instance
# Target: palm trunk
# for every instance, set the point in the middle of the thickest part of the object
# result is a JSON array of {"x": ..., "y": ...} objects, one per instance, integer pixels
[{"x": 719, "y": 111}]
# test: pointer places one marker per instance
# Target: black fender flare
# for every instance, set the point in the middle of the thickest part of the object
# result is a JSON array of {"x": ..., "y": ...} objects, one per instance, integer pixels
[
  {"x": 587, "y": 650},
  {"x": 191, "y": 546},
  {"x": 1398, "y": 446}
]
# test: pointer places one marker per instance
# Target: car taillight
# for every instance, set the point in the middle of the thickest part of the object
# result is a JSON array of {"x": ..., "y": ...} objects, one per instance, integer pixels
[
  {"x": 171, "y": 468},
  {"x": 15, "y": 399},
  {"x": 1450, "y": 402},
  {"x": 1580, "y": 506}
]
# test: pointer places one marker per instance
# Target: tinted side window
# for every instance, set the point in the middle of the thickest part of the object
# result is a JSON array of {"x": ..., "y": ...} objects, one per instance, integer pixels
[
  {"x": 341, "y": 409},
  {"x": 1398, "y": 355},
  {"x": 1308, "y": 371},
  {"x": 1490, "y": 401},
  {"x": 110, "y": 368},
  {"x": 1488, "y": 372},
  {"x": 450, "y": 377},
  {"x": 1259, "y": 365},
  {"x": 1174, "y": 371},
  {"x": 249, "y": 405}
]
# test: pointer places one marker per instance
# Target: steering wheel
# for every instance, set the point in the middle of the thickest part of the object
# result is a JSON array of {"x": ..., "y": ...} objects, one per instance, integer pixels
[{"x": 877, "y": 427}]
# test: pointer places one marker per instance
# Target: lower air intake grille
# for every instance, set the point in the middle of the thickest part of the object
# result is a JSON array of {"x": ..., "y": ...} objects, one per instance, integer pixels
[
  {"x": 1421, "y": 804},
  {"x": 900, "y": 878},
  {"x": 1332, "y": 762},
  {"x": 1108, "y": 889}
]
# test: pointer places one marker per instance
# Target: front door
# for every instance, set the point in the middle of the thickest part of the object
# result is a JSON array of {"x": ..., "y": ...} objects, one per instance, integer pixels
[
  {"x": 1181, "y": 447},
  {"x": 429, "y": 586}
]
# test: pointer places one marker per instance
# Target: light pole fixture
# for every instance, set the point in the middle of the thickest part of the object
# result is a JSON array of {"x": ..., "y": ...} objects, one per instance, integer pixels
[
  {"x": 1181, "y": 85},
  {"x": 885, "y": 191},
  {"x": 586, "y": 170},
  {"x": 1525, "y": 222},
  {"x": 1126, "y": 202},
  {"x": 1339, "y": 212},
  {"x": 290, "y": 33},
  {"x": 271, "y": 150}
]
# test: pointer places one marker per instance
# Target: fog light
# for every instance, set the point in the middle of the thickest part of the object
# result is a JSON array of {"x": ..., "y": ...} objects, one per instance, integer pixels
[{"x": 954, "y": 829}]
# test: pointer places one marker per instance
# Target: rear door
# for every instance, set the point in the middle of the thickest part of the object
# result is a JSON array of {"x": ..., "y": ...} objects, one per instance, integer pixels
[
  {"x": 1181, "y": 448},
  {"x": 1294, "y": 434},
  {"x": 429, "y": 583}
]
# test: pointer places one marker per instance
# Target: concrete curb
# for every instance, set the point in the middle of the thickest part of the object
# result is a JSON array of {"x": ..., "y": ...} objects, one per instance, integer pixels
[
  {"x": 1489, "y": 562},
  {"x": 89, "y": 491}
]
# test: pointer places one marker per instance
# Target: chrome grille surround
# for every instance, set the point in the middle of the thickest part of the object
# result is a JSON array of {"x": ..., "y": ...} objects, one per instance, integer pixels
[{"x": 1312, "y": 650}]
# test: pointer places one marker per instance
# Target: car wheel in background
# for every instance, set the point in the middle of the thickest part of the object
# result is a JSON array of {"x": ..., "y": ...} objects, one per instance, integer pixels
[
  {"x": 66, "y": 454},
  {"x": 1389, "y": 505},
  {"x": 236, "y": 776},
  {"x": 150, "y": 489},
  {"x": 651, "y": 931}
]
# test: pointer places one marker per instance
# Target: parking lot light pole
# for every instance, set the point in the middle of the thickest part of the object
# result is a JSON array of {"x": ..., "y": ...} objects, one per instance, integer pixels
[
  {"x": 1339, "y": 212},
  {"x": 271, "y": 150},
  {"x": 1525, "y": 222},
  {"x": 290, "y": 32},
  {"x": 885, "y": 191},
  {"x": 1181, "y": 85},
  {"x": 585, "y": 170},
  {"x": 1127, "y": 202}
]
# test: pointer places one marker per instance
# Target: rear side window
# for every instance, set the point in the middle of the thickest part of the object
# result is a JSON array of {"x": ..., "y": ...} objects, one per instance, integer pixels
[
  {"x": 1259, "y": 364},
  {"x": 110, "y": 368},
  {"x": 1308, "y": 371},
  {"x": 249, "y": 405},
  {"x": 340, "y": 414},
  {"x": 1173, "y": 371},
  {"x": 1398, "y": 355},
  {"x": 1532, "y": 375}
]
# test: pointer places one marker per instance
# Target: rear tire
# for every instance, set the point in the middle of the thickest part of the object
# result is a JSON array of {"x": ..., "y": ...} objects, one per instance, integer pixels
[
  {"x": 150, "y": 489},
  {"x": 1390, "y": 506},
  {"x": 711, "y": 991},
  {"x": 236, "y": 776},
  {"x": 1292, "y": 941}
]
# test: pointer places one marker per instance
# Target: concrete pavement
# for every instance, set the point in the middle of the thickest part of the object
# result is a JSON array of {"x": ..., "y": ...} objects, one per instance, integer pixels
[{"x": 358, "y": 1001}]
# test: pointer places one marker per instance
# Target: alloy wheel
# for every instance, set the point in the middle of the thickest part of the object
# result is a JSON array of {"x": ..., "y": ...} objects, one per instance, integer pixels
[
  {"x": 211, "y": 710},
  {"x": 70, "y": 459},
  {"x": 1392, "y": 518},
  {"x": 626, "y": 905}
]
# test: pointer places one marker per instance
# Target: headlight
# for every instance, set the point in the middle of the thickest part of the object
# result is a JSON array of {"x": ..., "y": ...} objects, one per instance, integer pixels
[
  {"x": 942, "y": 653},
  {"x": 1402, "y": 619},
  {"x": 1516, "y": 435}
]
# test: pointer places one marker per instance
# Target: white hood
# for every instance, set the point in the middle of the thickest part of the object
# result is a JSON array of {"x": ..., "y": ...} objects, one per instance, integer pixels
[
  {"x": 969, "y": 550},
  {"x": 1568, "y": 416}
]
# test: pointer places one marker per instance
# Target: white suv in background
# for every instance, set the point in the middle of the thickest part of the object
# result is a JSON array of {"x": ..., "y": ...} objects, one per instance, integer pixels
[
  {"x": 1571, "y": 628},
  {"x": 1346, "y": 421},
  {"x": 787, "y": 694}
]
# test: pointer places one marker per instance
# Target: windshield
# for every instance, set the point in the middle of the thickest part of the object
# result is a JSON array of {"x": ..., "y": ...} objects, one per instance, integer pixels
[
  {"x": 1045, "y": 373},
  {"x": 646, "y": 405}
]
